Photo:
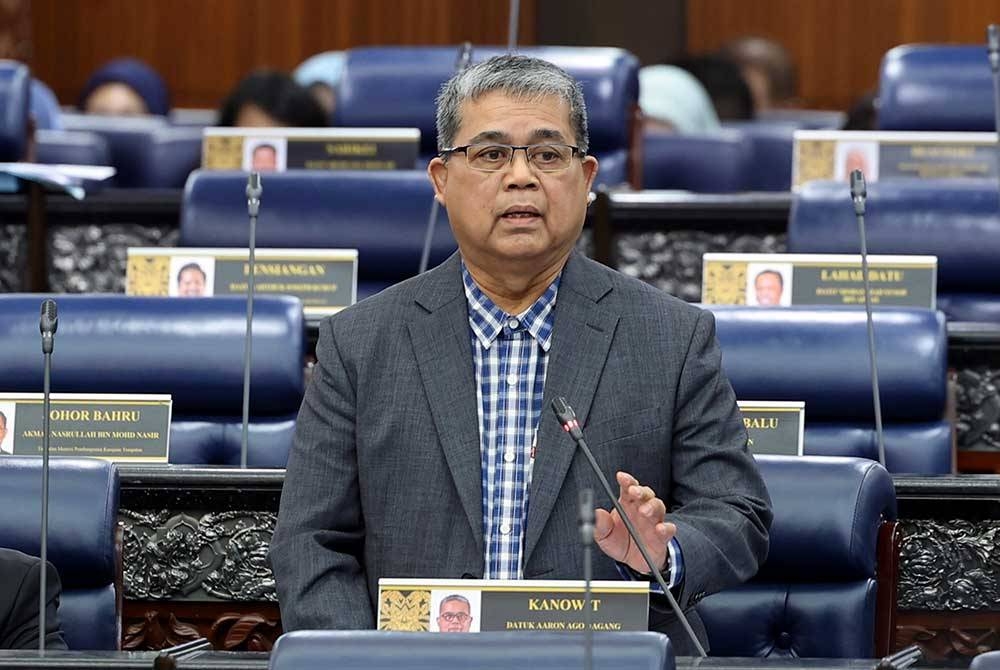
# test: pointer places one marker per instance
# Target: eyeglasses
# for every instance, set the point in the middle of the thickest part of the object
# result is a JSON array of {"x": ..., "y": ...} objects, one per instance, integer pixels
[
  {"x": 496, "y": 157},
  {"x": 452, "y": 617}
]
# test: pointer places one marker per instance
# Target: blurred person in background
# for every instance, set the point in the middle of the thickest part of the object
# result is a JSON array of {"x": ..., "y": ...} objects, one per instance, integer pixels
[
  {"x": 125, "y": 87},
  {"x": 768, "y": 70},
  {"x": 725, "y": 85},
  {"x": 672, "y": 99},
  {"x": 321, "y": 75},
  {"x": 271, "y": 99}
]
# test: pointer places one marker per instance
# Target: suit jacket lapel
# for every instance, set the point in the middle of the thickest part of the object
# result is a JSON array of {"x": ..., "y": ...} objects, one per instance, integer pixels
[
  {"x": 581, "y": 338},
  {"x": 441, "y": 342}
]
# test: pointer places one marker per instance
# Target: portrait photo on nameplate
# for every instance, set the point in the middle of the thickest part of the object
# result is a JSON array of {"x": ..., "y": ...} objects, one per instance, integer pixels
[
  {"x": 470, "y": 605},
  {"x": 110, "y": 426},
  {"x": 325, "y": 280},
  {"x": 781, "y": 280},
  {"x": 278, "y": 149},
  {"x": 774, "y": 427}
]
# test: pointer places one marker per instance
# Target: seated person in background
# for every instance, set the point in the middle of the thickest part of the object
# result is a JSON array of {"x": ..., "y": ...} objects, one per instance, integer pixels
[
  {"x": 673, "y": 99},
  {"x": 45, "y": 107},
  {"x": 724, "y": 84},
  {"x": 125, "y": 87},
  {"x": 768, "y": 70},
  {"x": 863, "y": 114},
  {"x": 19, "y": 602},
  {"x": 321, "y": 75},
  {"x": 270, "y": 99}
]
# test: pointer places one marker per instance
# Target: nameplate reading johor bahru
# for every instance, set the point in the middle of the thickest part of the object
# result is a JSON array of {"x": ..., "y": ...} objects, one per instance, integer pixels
[
  {"x": 834, "y": 154},
  {"x": 277, "y": 149},
  {"x": 474, "y": 605},
  {"x": 780, "y": 280},
  {"x": 324, "y": 279},
  {"x": 115, "y": 427},
  {"x": 774, "y": 427}
]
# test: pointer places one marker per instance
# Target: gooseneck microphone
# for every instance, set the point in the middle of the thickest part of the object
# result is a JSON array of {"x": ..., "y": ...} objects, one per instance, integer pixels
[
  {"x": 47, "y": 325},
  {"x": 859, "y": 195},
  {"x": 462, "y": 62},
  {"x": 993, "y": 51},
  {"x": 254, "y": 190},
  {"x": 567, "y": 419},
  {"x": 587, "y": 538}
]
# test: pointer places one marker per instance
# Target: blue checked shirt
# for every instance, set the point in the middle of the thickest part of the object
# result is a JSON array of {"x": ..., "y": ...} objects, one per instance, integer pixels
[{"x": 510, "y": 354}]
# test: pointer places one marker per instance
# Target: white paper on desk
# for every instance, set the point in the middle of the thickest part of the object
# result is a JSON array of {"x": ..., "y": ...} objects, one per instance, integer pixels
[{"x": 68, "y": 178}]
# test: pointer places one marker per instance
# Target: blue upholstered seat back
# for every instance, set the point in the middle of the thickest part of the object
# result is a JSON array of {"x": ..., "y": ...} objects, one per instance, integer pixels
[
  {"x": 83, "y": 515},
  {"x": 700, "y": 163},
  {"x": 15, "y": 101}
]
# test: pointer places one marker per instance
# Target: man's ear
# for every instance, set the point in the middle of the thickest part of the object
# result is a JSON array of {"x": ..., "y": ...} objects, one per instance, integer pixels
[
  {"x": 438, "y": 173},
  {"x": 589, "y": 170}
]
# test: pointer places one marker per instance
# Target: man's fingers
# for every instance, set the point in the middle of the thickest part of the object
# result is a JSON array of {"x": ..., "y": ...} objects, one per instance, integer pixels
[{"x": 603, "y": 524}]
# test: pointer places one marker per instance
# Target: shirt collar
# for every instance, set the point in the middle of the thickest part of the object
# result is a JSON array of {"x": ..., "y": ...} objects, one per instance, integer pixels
[{"x": 488, "y": 321}]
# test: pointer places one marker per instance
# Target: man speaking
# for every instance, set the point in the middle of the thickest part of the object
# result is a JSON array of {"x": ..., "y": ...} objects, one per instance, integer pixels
[{"x": 424, "y": 447}]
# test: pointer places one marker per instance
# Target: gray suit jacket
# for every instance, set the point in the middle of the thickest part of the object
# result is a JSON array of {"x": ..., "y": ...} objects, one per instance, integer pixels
[{"x": 384, "y": 478}]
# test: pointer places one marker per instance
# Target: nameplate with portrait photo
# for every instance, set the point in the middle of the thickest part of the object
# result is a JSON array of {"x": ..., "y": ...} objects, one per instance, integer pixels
[
  {"x": 834, "y": 154},
  {"x": 278, "y": 149},
  {"x": 324, "y": 279},
  {"x": 110, "y": 426},
  {"x": 782, "y": 280},
  {"x": 476, "y": 605},
  {"x": 774, "y": 427}
]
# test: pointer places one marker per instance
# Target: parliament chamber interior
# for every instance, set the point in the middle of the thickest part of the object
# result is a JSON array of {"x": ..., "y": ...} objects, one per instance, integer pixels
[{"x": 214, "y": 217}]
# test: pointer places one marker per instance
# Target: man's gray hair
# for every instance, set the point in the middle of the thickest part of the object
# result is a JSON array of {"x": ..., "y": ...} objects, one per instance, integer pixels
[
  {"x": 454, "y": 598},
  {"x": 519, "y": 77}
]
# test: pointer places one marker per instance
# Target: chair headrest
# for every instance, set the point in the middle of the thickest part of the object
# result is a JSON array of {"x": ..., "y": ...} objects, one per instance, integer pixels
[
  {"x": 820, "y": 356},
  {"x": 71, "y": 147},
  {"x": 363, "y": 650},
  {"x": 956, "y": 220},
  {"x": 827, "y": 513},
  {"x": 130, "y": 140},
  {"x": 936, "y": 87},
  {"x": 381, "y": 213},
  {"x": 398, "y": 86},
  {"x": 715, "y": 163},
  {"x": 83, "y": 514},
  {"x": 191, "y": 348},
  {"x": 15, "y": 101}
]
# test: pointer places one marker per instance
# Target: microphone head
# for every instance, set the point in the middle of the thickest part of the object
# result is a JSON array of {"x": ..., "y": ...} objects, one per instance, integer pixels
[
  {"x": 858, "y": 189},
  {"x": 254, "y": 189},
  {"x": 563, "y": 411},
  {"x": 49, "y": 320},
  {"x": 993, "y": 37},
  {"x": 464, "y": 57}
]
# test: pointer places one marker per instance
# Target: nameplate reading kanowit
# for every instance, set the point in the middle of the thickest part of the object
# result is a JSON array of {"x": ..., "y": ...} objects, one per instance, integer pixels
[
  {"x": 277, "y": 149},
  {"x": 834, "y": 154},
  {"x": 111, "y": 426},
  {"x": 324, "y": 279},
  {"x": 780, "y": 280},
  {"x": 774, "y": 427},
  {"x": 474, "y": 605}
]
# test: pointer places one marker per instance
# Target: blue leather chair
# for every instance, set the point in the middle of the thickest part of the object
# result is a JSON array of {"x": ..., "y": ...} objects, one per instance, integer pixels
[
  {"x": 936, "y": 87},
  {"x": 397, "y": 86},
  {"x": 378, "y": 650},
  {"x": 174, "y": 153},
  {"x": 15, "y": 97},
  {"x": 191, "y": 348},
  {"x": 820, "y": 356},
  {"x": 769, "y": 167},
  {"x": 71, "y": 147},
  {"x": 82, "y": 539},
  {"x": 988, "y": 661},
  {"x": 956, "y": 220},
  {"x": 827, "y": 588},
  {"x": 382, "y": 214},
  {"x": 129, "y": 139},
  {"x": 701, "y": 163}
]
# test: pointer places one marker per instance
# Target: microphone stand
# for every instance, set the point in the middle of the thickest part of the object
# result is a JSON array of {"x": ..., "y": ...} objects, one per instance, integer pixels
[
  {"x": 859, "y": 195},
  {"x": 587, "y": 538},
  {"x": 567, "y": 418},
  {"x": 512, "y": 25},
  {"x": 993, "y": 50},
  {"x": 254, "y": 191},
  {"x": 48, "y": 324}
]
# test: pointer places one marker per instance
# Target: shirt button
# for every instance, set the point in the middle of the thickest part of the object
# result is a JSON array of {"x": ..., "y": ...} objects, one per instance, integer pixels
[
  {"x": 511, "y": 379},
  {"x": 509, "y": 456},
  {"x": 513, "y": 324},
  {"x": 505, "y": 528}
]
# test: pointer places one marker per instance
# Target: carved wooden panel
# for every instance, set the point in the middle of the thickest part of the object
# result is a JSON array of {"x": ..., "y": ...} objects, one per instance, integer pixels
[{"x": 246, "y": 627}]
